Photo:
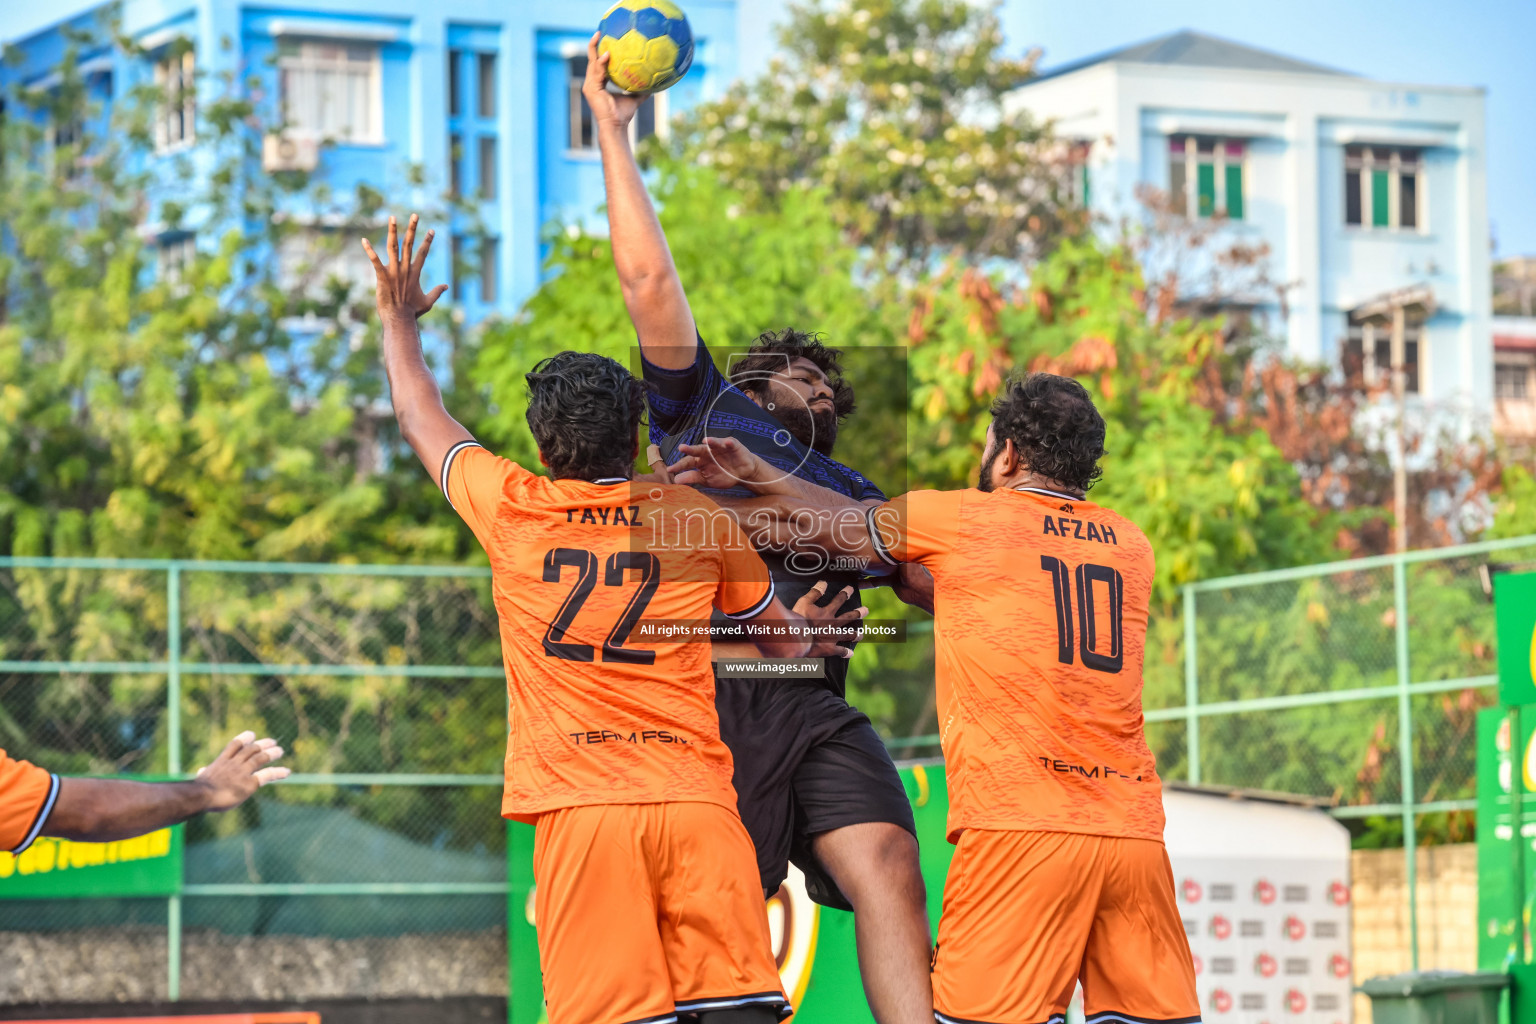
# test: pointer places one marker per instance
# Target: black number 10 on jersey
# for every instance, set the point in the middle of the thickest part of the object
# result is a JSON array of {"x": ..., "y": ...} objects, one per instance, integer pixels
[{"x": 1088, "y": 644}]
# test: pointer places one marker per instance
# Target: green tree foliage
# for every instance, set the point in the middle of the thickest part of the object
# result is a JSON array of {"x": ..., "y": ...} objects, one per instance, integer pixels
[
  {"x": 896, "y": 108},
  {"x": 745, "y": 270},
  {"x": 224, "y": 401},
  {"x": 1215, "y": 499},
  {"x": 151, "y": 409},
  {"x": 1517, "y": 504}
]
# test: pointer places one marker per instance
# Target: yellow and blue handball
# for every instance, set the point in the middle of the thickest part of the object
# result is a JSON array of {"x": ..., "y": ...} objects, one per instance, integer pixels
[{"x": 651, "y": 43}]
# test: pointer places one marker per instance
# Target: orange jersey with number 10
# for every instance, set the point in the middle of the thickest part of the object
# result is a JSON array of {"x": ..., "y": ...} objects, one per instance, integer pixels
[
  {"x": 1040, "y": 605},
  {"x": 602, "y": 709}
]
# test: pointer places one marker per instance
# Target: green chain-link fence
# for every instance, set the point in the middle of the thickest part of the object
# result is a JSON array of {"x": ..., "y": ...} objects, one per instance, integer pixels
[
  {"x": 380, "y": 868},
  {"x": 1357, "y": 682}
]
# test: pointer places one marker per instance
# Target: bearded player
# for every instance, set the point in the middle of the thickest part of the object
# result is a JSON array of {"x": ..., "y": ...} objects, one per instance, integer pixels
[
  {"x": 647, "y": 902},
  {"x": 815, "y": 783},
  {"x": 1040, "y": 601}
]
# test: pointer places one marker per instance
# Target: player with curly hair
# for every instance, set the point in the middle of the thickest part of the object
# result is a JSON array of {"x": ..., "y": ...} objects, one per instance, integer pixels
[
  {"x": 816, "y": 786},
  {"x": 1040, "y": 599}
]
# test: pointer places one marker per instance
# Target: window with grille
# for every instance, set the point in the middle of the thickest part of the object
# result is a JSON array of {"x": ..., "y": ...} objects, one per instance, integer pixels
[
  {"x": 455, "y": 83},
  {"x": 485, "y": 86},
  {"x": 176, "y": 118},
  {"x": 455, "y": 165},
  {"x": 1206, "y": 176},
  {"x": 1373, "y": 362},
  {"x": 331, "y": 90},
  {"x": 457, "y": 272},
  {"x": 487, "y": 166},
  {"x": 1512, "y": 381},
  {"x": 175, "y": 254},
  {"x": 648, "y": 119},
  {"x": 314, "y": 262},
  {"x": 1383, "y": 187},
  {"x": 490, "y": 266}
]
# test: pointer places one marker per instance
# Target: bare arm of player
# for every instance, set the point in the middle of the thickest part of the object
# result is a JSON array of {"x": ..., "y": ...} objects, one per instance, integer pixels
[
  {"x": 653, "y": 293},
  {"x": 724, "y": 462},
  {"x": 424, "y": 423},
  {"x": 914, "y": 585},
  {"x": 102, "y": 810},
  {"x": 788, "y": 512}
]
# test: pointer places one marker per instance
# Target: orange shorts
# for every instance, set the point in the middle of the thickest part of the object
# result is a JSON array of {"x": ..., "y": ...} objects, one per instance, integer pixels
[
  {"x": 1029, "y": 914},
  {"x": 650, "y": 913}
]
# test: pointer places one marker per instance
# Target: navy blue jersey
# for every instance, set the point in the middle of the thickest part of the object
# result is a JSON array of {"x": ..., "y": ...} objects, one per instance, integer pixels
[{"x": 689, "y": 405}]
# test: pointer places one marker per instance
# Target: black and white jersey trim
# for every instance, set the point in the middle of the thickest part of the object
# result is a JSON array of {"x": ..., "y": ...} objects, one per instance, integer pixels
[
  {"x": 874, "y": 536},
  {"x": 755, "y": 610},
  {"x": 42, "y": 815},
  {"x": 692, "y": 1007},
  {"x": 1126, "y": 1018},
  {"x": 660, "y": 1018},
  {"x": 1052, "y": 494},
  {"x": 944, "y": 1018},
  {"x": 442, "y": 480},
  {"x": 728, "y": 1002}
]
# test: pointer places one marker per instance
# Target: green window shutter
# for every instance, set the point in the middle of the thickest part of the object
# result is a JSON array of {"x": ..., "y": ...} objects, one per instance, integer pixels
[
  {"x": 1235, "y": 191},
  {"x": 1380, "y": 208},
  {"x": 1087, "y": 183},
  {"x": 1206, "y": 181}
]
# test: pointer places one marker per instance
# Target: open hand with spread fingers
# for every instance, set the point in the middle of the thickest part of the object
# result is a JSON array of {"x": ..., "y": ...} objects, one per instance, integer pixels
[{"x": 399, "y": 293}]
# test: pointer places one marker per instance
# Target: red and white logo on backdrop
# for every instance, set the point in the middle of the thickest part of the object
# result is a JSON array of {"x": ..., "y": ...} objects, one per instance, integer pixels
[
  {"x": 1338, "y": 965},
  {"x": 1295, "y": 1001},
  {"x": 1199, "y": 964},
  {"x": 1266, "y": 966},
  {"x": 1338, "y": 893},
  {"x": 1295, "y": 928},
  {"x": 1221, "y": 928},
  {"x": 1221, "y": 1001},
  {"x": 1264, "y": 891},
  {"x": 1191, "y": 891}
]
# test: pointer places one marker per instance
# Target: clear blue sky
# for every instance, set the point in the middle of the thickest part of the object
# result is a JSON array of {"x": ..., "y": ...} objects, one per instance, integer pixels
[{"x": 1491, "y": 43}]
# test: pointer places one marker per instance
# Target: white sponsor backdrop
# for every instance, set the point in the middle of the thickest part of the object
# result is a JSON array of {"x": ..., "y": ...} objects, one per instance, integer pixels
[{"x": 1264, "y": 892}]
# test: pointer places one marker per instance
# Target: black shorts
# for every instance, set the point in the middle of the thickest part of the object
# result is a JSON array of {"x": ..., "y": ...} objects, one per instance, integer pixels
[{"x": 807, "y": 762}]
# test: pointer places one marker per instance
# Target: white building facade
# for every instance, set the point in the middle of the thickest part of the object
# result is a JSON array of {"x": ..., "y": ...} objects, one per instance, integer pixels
[{"x": 1367, "y": 193}]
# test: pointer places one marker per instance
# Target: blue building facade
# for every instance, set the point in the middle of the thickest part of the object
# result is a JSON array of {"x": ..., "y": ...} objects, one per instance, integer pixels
[{"x": 415, "y": 98}]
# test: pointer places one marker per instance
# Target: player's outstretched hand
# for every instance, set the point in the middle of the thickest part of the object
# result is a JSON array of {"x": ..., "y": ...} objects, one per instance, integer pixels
[
  {"x": 243, "y": 768},
  {"x": 720, "y": 462},
  {"x": 399, "y": 293},
  {"x": 616, "y": 109},
  {"x": 829, "y": 629}
]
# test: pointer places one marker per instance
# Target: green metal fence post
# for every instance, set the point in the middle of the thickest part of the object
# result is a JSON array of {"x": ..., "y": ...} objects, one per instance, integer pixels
[
  {"x": 173, "y": 757},
  {"x": 1191, "y": 689},
  {"x": 1405, "y": 755}
]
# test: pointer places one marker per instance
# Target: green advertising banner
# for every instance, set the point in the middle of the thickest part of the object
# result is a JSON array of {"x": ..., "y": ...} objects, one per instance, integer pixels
[
  {"x": 1514, "y": 597},
  {"x": 148, "y": 865},
  {"x": 814, "y": 946}
]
